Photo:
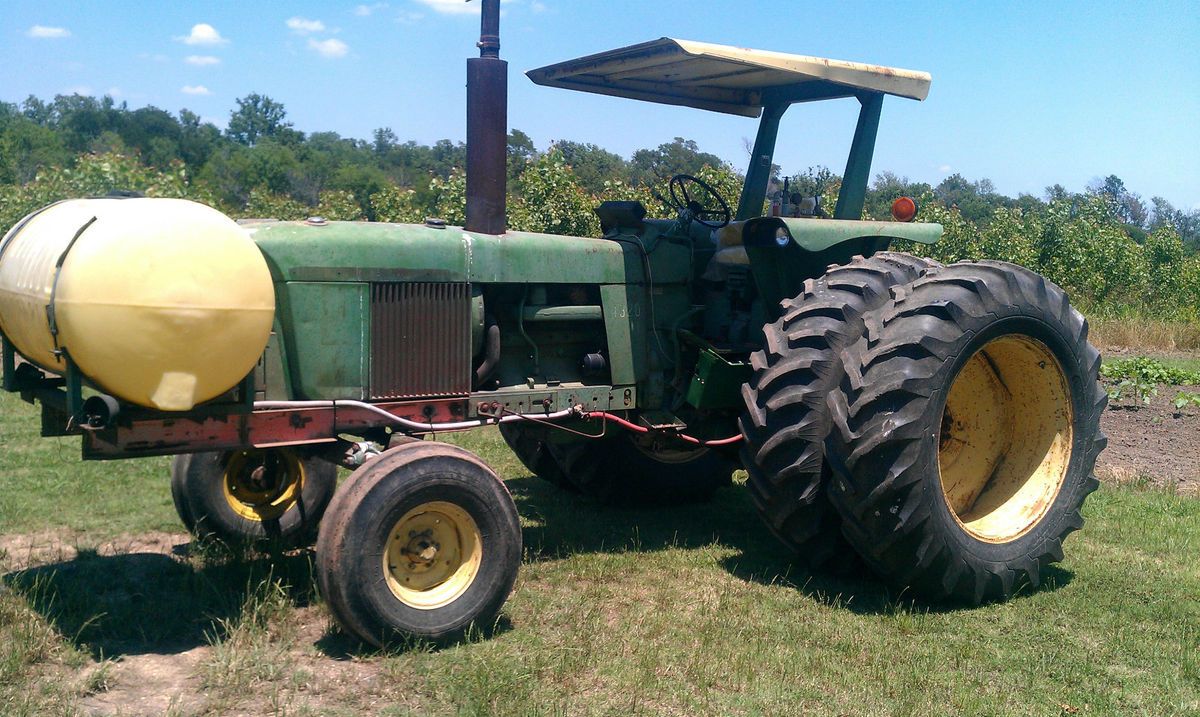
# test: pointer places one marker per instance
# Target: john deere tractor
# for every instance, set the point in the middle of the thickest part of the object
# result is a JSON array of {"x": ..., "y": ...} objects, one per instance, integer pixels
[{"x": 941, "y": 422}]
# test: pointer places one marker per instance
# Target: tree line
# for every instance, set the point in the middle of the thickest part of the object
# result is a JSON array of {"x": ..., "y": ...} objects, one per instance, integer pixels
[{"x": 1116, "y": 252}]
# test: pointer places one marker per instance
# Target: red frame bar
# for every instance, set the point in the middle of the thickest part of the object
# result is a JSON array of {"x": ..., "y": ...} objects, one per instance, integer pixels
[{"x": 261, "y": 429}]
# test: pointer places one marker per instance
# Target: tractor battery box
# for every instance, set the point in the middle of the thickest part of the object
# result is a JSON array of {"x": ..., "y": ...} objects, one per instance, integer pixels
[{"x": 717, "y": 382}]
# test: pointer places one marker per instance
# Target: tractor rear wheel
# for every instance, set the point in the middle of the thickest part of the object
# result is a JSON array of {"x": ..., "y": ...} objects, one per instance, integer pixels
[
  {"x": 252, "y": 495},
  {"x": 967, "y": 429},
  {"x": 529, "y": 444},
  {"x": 423, "y": 541},
  {"x": 629, "y": 469},
  {"x": 785, "y": 420}
]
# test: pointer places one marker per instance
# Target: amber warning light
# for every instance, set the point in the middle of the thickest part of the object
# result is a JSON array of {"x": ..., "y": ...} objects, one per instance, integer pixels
[{"x": 904, "y": 209}]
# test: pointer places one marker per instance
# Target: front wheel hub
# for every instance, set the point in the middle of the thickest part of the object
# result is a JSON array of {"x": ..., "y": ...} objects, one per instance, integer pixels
[{"x": 433, "y": 555}]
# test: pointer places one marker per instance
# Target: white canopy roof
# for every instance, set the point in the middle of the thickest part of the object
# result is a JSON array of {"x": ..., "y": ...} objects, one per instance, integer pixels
[{"x": 723, "y": 78}]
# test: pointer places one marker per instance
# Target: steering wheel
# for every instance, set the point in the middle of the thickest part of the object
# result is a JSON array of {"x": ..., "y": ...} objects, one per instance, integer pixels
[{"x": 713, "y": 217}]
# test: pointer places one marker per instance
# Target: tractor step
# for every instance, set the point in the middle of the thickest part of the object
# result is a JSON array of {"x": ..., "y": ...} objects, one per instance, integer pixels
[{"x": 661, "y": 421}]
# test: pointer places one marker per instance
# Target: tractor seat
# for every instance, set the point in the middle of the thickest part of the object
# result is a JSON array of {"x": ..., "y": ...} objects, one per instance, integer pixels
[{"x": 620, "y": 215}]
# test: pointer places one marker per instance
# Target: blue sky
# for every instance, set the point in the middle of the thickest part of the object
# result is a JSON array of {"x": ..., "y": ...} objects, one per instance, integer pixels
[{"x": 1025, "y": 93}]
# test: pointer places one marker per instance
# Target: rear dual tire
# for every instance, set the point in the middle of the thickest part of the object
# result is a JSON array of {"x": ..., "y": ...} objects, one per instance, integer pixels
[
  {"x": 966, "y": 432},
  {"x": 786, "y": 420}
]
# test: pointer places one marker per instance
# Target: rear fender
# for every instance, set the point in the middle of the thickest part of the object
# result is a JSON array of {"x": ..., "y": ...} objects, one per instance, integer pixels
[{"x": 784, "y": 252}]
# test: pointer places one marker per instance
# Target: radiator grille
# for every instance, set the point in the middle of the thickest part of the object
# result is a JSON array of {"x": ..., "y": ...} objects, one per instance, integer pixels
[{"x": 420, "y": 340}]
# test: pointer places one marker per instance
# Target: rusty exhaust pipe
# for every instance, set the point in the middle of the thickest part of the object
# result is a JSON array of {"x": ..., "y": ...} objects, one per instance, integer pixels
[{"x": 487, "y": 128}]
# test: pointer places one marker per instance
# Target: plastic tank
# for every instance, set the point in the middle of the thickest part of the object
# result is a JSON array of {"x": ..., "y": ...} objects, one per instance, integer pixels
[{"x": 164, "y": 303}]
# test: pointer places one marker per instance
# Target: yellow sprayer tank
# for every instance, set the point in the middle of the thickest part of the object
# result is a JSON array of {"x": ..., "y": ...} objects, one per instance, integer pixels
[{"x": 164, "y": 303}]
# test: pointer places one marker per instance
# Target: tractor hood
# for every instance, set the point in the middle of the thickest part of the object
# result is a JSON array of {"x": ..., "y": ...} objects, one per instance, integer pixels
[{"x": 377, "y": 252}]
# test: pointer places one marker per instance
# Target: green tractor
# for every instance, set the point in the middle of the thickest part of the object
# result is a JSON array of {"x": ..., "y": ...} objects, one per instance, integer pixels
[{"x": 940, "y": 422}]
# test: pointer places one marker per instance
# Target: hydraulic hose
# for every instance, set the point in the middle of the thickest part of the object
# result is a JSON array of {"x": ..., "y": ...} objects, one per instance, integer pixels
[{"x": 464, "y": 425}]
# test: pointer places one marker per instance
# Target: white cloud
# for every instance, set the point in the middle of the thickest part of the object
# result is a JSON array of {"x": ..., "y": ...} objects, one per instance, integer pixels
[
  {"x": 202, "y": 60},
  {"x": 366, "y": 10},
  {"x": 203, "y": 34},
  {"x": 944, "y": 168},
  {"x": 408, "y": 18},
  {"x": 459, "y": 7},
  {"x": 452, "y": 7},
  {"x": 329, "y": 48},
  {"x": 195, "y": 90},
  {"x": 43, "y": 32},
  {"x": 304, "y": 26},
  {"x": 537, "y": 6}
]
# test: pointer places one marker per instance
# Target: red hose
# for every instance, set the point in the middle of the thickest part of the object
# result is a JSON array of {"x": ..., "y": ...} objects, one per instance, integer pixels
[{"x": 642, "y": 429}]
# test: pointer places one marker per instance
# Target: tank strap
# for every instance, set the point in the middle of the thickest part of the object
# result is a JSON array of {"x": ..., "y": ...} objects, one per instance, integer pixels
[{"x": 62, "y": 258}]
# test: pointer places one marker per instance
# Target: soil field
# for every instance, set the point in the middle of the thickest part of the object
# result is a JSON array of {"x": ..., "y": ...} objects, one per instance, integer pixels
[{"x": 1153, "y": 443}]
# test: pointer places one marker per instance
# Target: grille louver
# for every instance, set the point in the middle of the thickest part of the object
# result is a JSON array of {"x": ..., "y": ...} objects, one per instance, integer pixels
[{"x": 420, "y": 340}]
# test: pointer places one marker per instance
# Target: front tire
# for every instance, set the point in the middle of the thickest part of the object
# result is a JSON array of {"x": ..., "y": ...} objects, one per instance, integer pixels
[
  {"x": 252, "y": 495},
  {"x": 422, "y": 542},
  {"x": 967, "y": 432}
]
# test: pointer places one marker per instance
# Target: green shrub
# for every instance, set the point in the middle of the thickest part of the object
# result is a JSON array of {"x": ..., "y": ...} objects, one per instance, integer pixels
[{"x": 1148, "y": 371}]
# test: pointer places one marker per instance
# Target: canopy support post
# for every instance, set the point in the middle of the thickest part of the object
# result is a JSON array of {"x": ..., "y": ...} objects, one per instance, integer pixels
[{"x": 758, "y": 175}]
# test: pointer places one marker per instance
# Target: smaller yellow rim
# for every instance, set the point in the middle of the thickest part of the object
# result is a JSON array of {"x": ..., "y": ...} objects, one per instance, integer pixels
[
  {"x": 262, "y": 485},
  {"x": 433, "y": 555}
]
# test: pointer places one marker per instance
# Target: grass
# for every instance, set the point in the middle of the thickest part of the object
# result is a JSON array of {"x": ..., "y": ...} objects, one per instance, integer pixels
[
  {"x": 44, "y": 484},
  {"x": 1145, "y": 334},
  {"x": 682, "y": 611}
]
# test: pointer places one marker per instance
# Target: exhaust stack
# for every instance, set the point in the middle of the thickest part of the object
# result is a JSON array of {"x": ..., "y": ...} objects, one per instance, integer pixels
[{"x": 487, "y": 128}]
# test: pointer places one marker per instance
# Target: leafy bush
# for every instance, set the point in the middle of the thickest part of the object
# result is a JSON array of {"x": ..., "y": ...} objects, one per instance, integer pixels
[
  {"x": 264, "y": 204},
  {"x": 451, "y": 193},
  {"x": 339, "y": 205},
  {"x": 550, "y": 200},
  {"x": 1143, "y": 370},
  {"x": 393, "y": 204}
]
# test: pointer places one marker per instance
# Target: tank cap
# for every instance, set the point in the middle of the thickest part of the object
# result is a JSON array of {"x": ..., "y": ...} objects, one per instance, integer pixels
[
  {"x": 435, "y": 222},
  {"x": 316, "y": 221}
]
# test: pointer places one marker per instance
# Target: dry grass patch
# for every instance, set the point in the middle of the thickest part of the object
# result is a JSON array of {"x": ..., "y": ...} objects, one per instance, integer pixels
[{"x": 1144, "y": 334}]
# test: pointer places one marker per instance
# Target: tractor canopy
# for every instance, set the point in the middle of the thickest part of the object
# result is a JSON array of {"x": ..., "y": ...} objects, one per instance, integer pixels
[
  {"x": 751, "y": 83},
  {"x": 726, "y": 79}
]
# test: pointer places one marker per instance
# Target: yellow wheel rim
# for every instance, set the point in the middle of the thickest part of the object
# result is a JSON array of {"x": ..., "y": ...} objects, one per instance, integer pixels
[
  {"x": 433, "y": 555},
  {"x": 262, "y": 485},
  {"x": 1004, "y": 444}
]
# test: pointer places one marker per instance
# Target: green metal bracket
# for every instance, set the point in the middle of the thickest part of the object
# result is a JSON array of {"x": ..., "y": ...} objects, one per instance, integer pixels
[
  {"x": 853, "y": 194},
  {"x": 247, "y": 389},
  {"x": 74, "y": 387},
  {"x": 717, "y": 382},
  {"x": 10, "y": 364}
]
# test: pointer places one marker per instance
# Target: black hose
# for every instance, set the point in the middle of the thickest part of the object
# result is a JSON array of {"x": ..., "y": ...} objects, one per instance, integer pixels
[{"x": 491, "y": 353}]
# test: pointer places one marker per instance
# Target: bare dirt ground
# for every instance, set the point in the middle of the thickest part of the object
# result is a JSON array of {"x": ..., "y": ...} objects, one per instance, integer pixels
[{"x": 1153, "y": 443}]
